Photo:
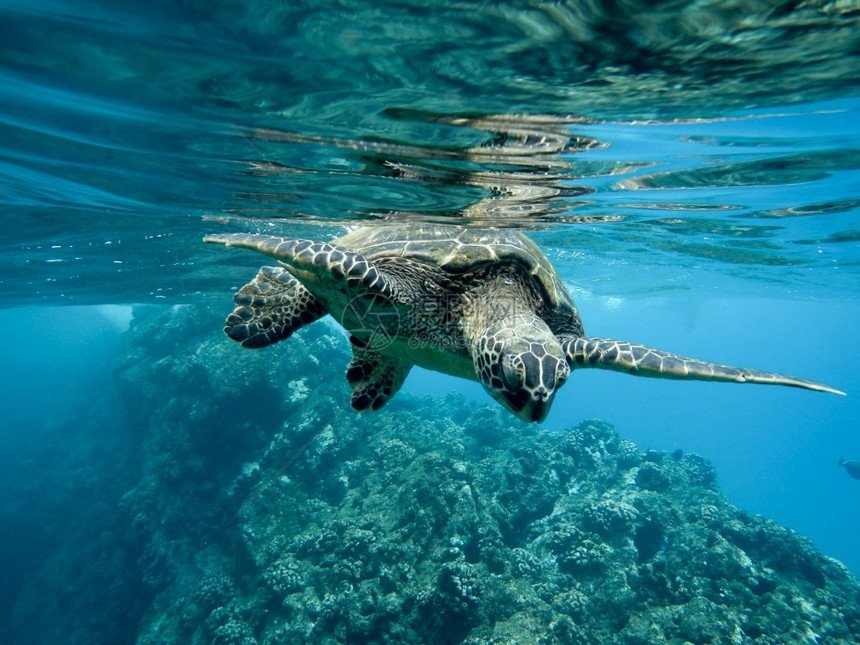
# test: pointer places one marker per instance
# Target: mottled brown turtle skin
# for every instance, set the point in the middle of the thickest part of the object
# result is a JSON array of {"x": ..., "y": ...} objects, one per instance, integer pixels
[{"x": 483, "y": 304}]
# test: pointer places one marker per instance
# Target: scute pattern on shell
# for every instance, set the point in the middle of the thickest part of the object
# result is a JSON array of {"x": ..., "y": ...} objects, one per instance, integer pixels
[{"x": 458, "y": 250}]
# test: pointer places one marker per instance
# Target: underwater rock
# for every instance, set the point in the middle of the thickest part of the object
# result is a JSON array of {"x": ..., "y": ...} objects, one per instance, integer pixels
[{"x": 261, "y": 517}]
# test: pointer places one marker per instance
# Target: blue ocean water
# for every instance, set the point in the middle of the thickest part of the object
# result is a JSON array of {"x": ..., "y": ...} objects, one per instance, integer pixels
[{"x": 691, "y": 171}]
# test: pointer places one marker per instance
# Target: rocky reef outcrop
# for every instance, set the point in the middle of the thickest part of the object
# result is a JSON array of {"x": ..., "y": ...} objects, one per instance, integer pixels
[{"x": 266, "y": 511}]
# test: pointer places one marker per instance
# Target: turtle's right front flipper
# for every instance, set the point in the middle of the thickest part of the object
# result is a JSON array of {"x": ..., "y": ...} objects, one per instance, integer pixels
[
  {"x": 316, "y": 258},
  {"x": 270, "y": 308},
  {"x": 645, "y": 361}
]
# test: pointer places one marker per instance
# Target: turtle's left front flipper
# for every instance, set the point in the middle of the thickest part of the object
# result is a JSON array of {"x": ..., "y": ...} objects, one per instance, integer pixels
[
  {"x": 270, "y": 308},
  {"x": 373, "y": 377},
  {"x": 645, "y": 361}
]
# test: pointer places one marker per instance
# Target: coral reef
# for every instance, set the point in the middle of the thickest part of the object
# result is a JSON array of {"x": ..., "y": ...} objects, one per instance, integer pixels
[{"x": 266, "y": 511}]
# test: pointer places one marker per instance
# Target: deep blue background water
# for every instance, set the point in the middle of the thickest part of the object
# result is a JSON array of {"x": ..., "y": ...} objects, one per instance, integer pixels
[{"x": 715, "y": 214}]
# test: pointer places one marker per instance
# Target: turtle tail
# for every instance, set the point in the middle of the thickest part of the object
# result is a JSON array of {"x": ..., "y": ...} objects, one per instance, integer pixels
[{"x": 640, "y": 360}]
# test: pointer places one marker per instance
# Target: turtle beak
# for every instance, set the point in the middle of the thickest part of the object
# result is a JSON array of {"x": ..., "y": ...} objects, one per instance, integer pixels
[
  {"x": 537, "y": 411},
  {"x": 527, "y": 407}
]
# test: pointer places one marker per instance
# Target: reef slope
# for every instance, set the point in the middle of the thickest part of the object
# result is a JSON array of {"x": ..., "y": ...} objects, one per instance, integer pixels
[{"x": 429, "y": 522}]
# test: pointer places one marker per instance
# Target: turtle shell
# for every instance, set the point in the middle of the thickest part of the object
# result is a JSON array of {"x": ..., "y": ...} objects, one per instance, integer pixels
[{"x": 459, "y": 250}]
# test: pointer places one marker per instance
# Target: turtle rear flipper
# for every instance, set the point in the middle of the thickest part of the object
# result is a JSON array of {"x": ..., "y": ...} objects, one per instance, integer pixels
[
  {"x": 640, "y": 360},
  {"x": 374, "y": 377},
  {"x": 270, "y": 308}
]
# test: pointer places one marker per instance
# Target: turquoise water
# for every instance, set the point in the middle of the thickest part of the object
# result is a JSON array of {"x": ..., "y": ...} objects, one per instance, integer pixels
[{"x": 691, "y": 171}]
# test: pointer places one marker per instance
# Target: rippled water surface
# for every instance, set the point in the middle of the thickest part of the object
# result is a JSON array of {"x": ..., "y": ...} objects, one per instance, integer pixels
[
  {"x": 690, "y": 168},
  {"x": 718, "y": 133}
]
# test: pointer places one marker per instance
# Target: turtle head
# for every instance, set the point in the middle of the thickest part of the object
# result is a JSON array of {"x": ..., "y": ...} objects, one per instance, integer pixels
[{"x": 520, "y": 363}]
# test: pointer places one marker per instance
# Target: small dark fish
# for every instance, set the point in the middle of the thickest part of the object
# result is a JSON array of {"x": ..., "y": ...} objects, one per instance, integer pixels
[{"x": 853, "y": 467}]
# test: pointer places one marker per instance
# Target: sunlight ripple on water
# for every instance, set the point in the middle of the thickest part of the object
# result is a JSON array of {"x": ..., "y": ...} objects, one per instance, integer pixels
[{"x": 716, "y": 133}]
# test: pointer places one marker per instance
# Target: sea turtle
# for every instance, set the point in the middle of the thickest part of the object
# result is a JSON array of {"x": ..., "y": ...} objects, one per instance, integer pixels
[
  {"x": 483, "y": 304},
  {"x": 852, "y": 466}
]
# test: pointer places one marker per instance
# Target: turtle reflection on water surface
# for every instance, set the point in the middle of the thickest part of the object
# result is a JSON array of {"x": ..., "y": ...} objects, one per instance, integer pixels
[{"x": 482, "y": 304}]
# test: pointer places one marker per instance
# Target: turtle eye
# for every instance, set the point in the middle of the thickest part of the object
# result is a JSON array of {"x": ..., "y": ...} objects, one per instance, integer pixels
[
  {"x": 562, "y": 371},
  {"x": 513, "y": 373}
]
